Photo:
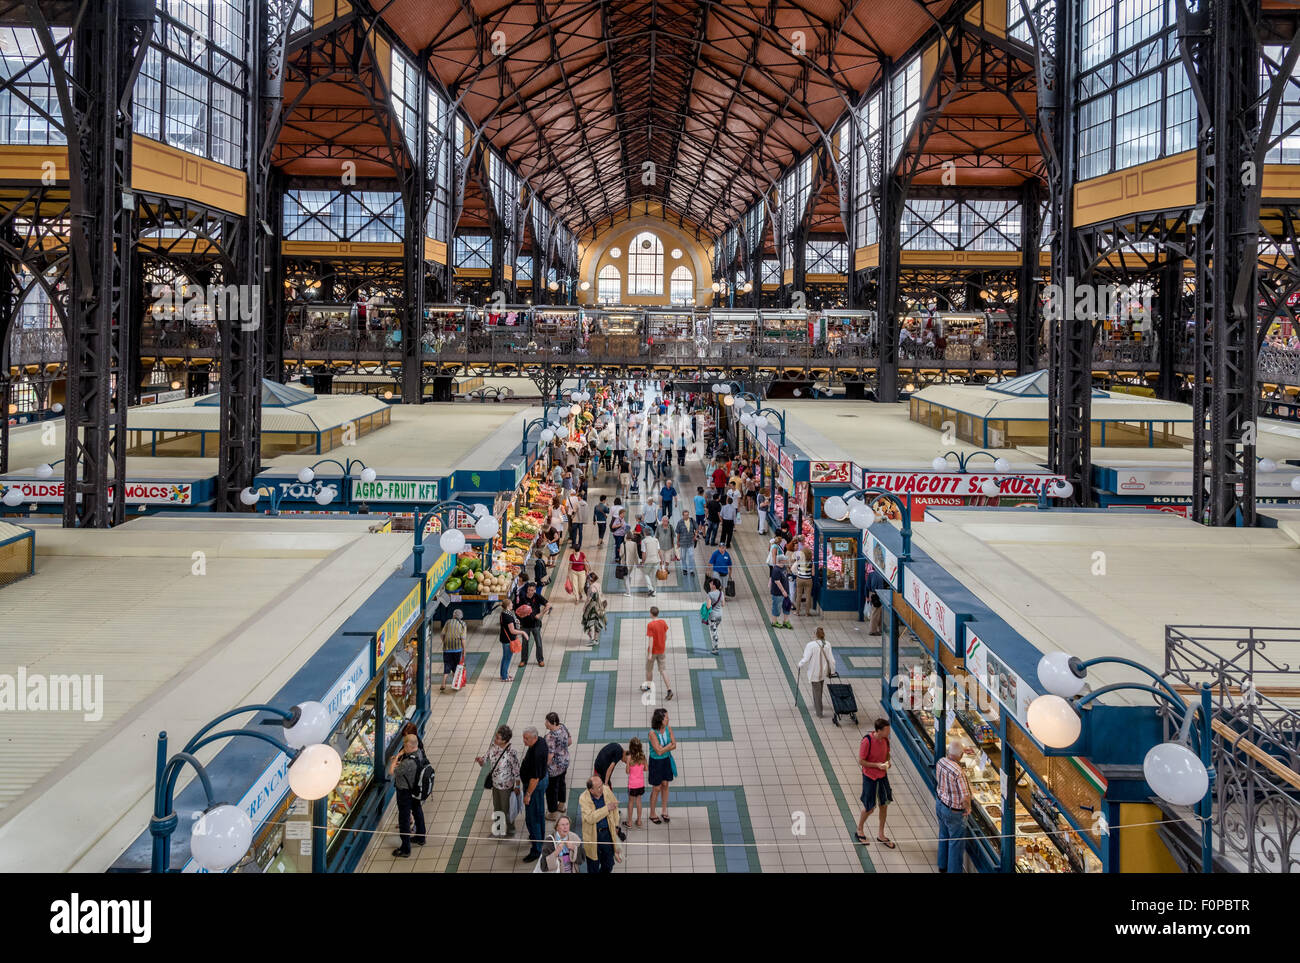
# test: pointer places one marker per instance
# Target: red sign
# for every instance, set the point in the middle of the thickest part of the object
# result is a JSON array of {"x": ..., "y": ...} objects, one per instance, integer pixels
[
  {"x": 830, "y": 471},
  {"x": 787, "y": 464},
  {"x": 137, "y": 493},
  {"x": 772, "y": 449},
  {"x": 968, "y": 485}
]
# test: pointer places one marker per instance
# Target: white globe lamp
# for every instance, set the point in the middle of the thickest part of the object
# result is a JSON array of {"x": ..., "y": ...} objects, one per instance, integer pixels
[
  {"x": 486, "y": 527},
  {"x": 325, "y": 496},
  {"x": 44, "y": 471},
  {"x": 306, "y": 476},
  {"x": 12, "y": 497},
  {"x": 1061, "y": 674},
  {"x": 940, "y": 463},
  {"x": 835, "y": 507},
  {"x": 860, "y": 516},
  {"x": 1176, "y": 774},
  {"x": 312, "y": 725},
  {"x": 1054, "y": 722},
  {"x": 248, "y": 496},
  {"x": 990, "y": 488},
  {"x": 368, "y": 475},
  {"x": 452, "y": 541},
  {"x": 1001, "y": 465},
  {"x": 221, "y": 837},
  {"x": 315, "y": 772}
]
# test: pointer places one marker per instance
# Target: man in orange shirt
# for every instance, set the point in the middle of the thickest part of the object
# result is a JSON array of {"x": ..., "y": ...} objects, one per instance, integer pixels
[{"x": 656, "y": 633}]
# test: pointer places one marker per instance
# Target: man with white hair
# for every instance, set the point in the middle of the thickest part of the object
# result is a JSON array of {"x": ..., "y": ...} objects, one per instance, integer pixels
[
  {"x": 533, "y": 776},
  {"x": 952, "y": 806}
]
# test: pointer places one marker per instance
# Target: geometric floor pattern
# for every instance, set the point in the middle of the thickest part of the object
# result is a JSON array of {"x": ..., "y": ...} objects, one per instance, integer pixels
[{"x": 763, "y": 785}]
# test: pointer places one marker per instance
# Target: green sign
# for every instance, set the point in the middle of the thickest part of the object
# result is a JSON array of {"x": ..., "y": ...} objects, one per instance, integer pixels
[{"x": 394, "y": 490}]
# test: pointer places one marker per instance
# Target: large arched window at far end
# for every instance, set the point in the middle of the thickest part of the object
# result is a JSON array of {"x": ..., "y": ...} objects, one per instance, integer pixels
[
  {"x": 645, "y": 266},
  {"x": 609, "y": 284},
  {"x": 681, "y": 285}
]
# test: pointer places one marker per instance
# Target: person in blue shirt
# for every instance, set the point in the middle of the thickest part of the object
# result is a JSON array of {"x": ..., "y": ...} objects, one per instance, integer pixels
[
  {"x": 700, "y": 501},
  {"x": 720, "y": 563},
  {"x": 666, "y": 496}
]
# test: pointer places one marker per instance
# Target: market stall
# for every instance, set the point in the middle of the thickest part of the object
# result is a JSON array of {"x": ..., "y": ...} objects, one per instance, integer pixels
[
  {"x": 616, "y": 331},
  {"x": 781, "y": 332},
  {"x": 561, "y": 329},
  {"x": 731, "y": 329},
  {"x": 671, "y": 333},
  {"x": 847, "y": 332}
]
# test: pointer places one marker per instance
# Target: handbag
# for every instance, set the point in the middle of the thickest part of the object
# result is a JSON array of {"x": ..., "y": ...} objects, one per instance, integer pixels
[
  {"x": 620, "y": 572},
  {"x": 516, "y": 645},
  {"x": 705, "y": 611},
  {"x": 731, "y": 587},
  {"x": 662, "y": 573},
  {"x": 487, "y": 782}
]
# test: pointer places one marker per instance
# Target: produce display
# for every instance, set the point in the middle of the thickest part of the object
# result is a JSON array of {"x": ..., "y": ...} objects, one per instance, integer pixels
[
  {"x": 358, "y": 770},
  {"x": 470, "y": 580}
]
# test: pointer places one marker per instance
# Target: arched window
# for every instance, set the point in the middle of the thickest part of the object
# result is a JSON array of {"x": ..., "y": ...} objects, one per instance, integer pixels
[
  {"x": 681, "y": 285},
  {"x": 645, "y": 265},
  {"x": 609, "y": 284}
]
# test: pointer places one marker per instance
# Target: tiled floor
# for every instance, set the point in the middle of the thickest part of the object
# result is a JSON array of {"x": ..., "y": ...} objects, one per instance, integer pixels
[{"x": 763, "y": 785}]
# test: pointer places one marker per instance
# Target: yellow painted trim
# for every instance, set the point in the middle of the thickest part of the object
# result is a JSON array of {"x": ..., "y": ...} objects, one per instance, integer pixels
[
  {"x": 159, "y": 169},
  {"x": 329, "y": 249},
  {"x": 1156, "y": 185},
  {"x": 824, "y": 278},
  {"x": 964, "y": 258},
  {"x": 507, "y": 272},
  {"x": 866, "y": 257},
  {"x": 326, "y": 11},
  {"x": 435, "y": 250},
  {"x": 24, "y": 162},
  {"x": 1140, "y": 848},
  {"x": 1282, "y": 180},
  {"x": 992, "y": 15}
]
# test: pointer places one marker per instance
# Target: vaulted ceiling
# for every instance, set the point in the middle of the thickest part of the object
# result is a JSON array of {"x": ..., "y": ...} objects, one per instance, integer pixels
[{"x": 699, "y": 106}]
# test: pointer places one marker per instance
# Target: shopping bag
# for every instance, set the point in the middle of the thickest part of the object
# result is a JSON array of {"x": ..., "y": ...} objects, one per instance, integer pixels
[
  {"x": 458, "y": 677},
  {"x": 705, "y": 610},
  {"x": 662, "y": 574},
  {"x": 731, "y": 588},
  {"x": 568, "y": 584},
  {"x": 516, "y": 806}
]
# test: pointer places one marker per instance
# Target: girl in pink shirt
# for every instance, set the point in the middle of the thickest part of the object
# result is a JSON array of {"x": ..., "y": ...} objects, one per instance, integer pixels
[{"x": 636, "y": 767}]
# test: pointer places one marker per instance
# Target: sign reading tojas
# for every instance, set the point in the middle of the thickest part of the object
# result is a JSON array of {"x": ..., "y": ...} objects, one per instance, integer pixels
[
  {"x": 137, "y": 493},
  {"x": 968, "y": 485}
]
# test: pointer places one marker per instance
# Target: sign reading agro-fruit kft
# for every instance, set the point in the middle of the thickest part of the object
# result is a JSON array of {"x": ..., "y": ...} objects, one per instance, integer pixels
[{"x": 394, "y": 490}]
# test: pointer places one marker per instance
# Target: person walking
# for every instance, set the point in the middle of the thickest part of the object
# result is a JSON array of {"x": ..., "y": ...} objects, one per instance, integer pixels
[
  {"x": 720, "y": 564},
  {"x": 624, "y": 479},
  {"x": 600, "y": 842},
  {"x": 780, "y": 596},
  {"x": 714, "y": 597},
  {"x": 600, "y": 515},
  {"x": 803, "y": 583},
  {"x": 728, "y": 515},
  {"x": 557, "y": 765},
  {"x": 578, "y": 568},
  {"x": 404, "y": 770},
  {"x": 820, "y": 659},
  {"x": 873, "y": 757},
  {"x": 453, "y": 645},
  {"x": 593, "y": 614},
  {"x": 502, "y": 763},
  {"x": 763, "y": 503},
  {"x": 511, "y": 638},
  {"x": 663, "y": 768},
  {"x": 531, "y": 597},
  {"x": 534, "y": 779},
  {"x": 713, "y": 515},
  {"x": 952, "y": 806},
  {"x": 650, "y": 562},
  {"x": 618, "y": 529},
  {"x": 560, "y": 852},
  {"x": 699, "y": 501},
  {"x": 667, "y": 496},
  {"x": 577, "y": 511},
  {"x": 656, "y": 634},
  {"x": 686, "y": 544}
]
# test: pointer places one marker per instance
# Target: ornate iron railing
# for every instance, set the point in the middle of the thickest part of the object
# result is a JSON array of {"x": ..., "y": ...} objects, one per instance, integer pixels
[{"x": 1254, "y": 675}]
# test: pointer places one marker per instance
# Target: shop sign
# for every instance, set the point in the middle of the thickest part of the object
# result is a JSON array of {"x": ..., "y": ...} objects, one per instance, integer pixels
[
  {"x": 440, "y": 571},
  {"x": 966, "y": 485},
  {"x": 931, "y": 608},
  {"x": 787, "y": 464},
  {"x": 829, "y": 471},
  {"x": 855, "y": 476},
  {"x": 801, "y": 494},
  {"x": 397, "y": 624},
  {"x": 1136, "y": 481},
  {"x": 882, "y": 559},
  {"x": 137, "y": 493},
  {"x": 773, "y": 450},
  {"x": 394, "y": 490},
  {"x": 265, "y": 794},
  {"x": 995, "y": 678},
  {"x": 786, "y": 482}
]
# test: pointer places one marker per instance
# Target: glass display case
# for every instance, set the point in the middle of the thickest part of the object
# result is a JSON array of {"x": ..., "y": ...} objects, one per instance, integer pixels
[
  {"x": 402, "y": 697},
  {"x": 842, "y": 563},
  {"x": 355, "y": 742}
]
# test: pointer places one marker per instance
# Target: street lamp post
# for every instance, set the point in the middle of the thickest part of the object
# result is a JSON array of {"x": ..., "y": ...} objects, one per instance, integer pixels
[
  {"x": 250, "y": 496},
  {"x": 452, "y": 541},
  {"x": 223, "y": 834},
  {"x": 1173, "y": 770},
  {"x": 308, "y": 475},
  {"x": 840, "y": 507},
  {"x": 760, "y": 414},
  {"x": 561, "y": 410}
]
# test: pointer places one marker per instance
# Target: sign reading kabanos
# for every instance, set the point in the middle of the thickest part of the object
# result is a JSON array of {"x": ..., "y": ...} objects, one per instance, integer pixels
[{"x": 966, "y": 485}]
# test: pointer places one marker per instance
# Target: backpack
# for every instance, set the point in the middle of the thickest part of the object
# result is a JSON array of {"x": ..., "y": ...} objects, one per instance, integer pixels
[{"x": 424, "y": 779}]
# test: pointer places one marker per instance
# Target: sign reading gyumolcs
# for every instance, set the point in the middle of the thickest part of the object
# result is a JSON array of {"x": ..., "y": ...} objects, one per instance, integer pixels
[
  {"x": 212, "y": 302},
  {"x": 1088, "y": 302}
]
